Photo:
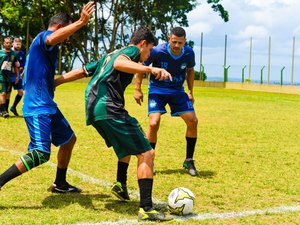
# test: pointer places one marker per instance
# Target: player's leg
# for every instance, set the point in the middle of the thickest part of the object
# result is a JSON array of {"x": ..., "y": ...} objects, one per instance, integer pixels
[
  {"x": 156, "y": 107},
  {"x": 119, "y": 188},
  {"x": 18, "y": 98},
  {"x": 182, "y": 106},
  {"x": 153, "y": 126},
  {"x": 3, "y": 89},
  {"x": 145, "y": 181},
  {"x": 9, "y": 86},
  {"x": 63, "y": 136},
  {"x": 38, "y": 148},
  {"x": 191, "y": 138},
  {"x": 7, "y": 100}
]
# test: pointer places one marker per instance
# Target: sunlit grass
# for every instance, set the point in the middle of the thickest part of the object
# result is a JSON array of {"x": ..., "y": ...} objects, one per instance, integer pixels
[{"x": 247, "y": 155}]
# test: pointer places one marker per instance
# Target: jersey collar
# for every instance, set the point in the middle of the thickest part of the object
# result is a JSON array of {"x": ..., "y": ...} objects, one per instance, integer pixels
[{"x": 175, "y": 56}]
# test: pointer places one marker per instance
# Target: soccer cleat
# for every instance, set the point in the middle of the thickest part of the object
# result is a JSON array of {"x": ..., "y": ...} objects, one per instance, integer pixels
[
  {"x": 152, "y": 215},
  {"x": 120, "y": 191},
  {"x": 66, "y": 188},
  {"x": 5, "y": 114},
  {"x": 14, "y": 110},
  {"x": 190, "y": 166}
]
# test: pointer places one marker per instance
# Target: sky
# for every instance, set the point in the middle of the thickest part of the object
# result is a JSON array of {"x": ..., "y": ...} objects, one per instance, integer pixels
[{"x": 273, "y": 23}]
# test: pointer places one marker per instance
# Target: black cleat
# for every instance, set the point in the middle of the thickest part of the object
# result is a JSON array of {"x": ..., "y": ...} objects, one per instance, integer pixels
[
  {"x": 190, "y": 166},
  {"x": 5, "y": 114},
  {"x": 14, "y": 111},
  {"x": 120, "y": 191},
  {"x": 66, "y": 188}
]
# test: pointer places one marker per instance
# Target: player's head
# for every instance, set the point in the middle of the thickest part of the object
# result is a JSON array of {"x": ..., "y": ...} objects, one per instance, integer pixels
[
  {"x": 177, "y": 40},
  {"x": 60, "y": 19},
  {"x": 7, "y": 43},
  {"x": 144, "y": 39},
  {"x": 17, "y": 44}
]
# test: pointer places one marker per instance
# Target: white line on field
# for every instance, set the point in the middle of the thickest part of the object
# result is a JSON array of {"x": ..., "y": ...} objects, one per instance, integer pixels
[
  {"x": 207, "y": 216},
  {"x": 198, "y": 217}
]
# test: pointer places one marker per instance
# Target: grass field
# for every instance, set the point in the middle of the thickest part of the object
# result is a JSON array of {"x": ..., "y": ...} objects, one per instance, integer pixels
[{"x": 247, "y": 154}]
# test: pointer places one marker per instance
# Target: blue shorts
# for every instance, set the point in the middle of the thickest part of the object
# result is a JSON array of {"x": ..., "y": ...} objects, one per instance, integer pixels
[
  {"x": 179, "y": 103},
  {"x": 45, "y": 129},
  {"x": 17, "y": 86}
]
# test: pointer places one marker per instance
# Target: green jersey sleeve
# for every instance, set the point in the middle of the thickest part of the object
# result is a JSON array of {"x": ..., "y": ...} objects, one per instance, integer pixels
[{"x": 90, "y": 68}]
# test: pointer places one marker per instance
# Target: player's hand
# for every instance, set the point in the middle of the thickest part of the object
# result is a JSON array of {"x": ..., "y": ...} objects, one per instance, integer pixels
[
  {"x": 138, "y": 96},
  {"x": 161, "y": 74},
  {"x": 86, "y": 12},
  {"x": 191, "y": 97}
]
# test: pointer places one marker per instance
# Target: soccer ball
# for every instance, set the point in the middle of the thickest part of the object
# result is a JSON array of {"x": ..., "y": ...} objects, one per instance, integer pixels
[{"x": 181, "y": 201}]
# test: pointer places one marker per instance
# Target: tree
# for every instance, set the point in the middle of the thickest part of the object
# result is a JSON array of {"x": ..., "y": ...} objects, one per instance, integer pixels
[{"x": 111, "y": 29}]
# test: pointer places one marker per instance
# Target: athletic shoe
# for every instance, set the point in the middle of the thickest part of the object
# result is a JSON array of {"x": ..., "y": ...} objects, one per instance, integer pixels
[
  {"x": 14, "y": 110},
  {"x": 5, "y": 114},
  {"x": 152, "y": 215},
  {"x": 189, "y": 165},
  {"x": 1, "y": 114},
  {"x": 120, "y": 191},
  {"x": 66, "y": 188}
]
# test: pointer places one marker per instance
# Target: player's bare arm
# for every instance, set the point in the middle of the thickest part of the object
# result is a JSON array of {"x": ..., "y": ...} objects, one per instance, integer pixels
[
  {"x": 138, "y": 94},
  {"x": 62, "y": 33},
  {"x": 190, "y": 76},
  {"x": 70, "y": 76},
  {"x": 124, "y": 64}
]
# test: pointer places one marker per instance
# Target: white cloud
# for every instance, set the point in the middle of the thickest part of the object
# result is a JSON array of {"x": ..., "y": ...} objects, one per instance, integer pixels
[
  {"x": 253, "y": 31},
  {"x": 258, "y": 19}
]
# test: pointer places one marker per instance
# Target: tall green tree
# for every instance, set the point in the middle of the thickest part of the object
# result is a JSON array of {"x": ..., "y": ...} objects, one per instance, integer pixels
[{"x": 114, "y": 22}]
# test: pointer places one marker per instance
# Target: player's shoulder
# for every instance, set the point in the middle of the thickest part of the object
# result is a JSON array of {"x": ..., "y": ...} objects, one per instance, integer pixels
[
  {"x": 188, "y": 49},
  {"x": 159, "y": 48}
]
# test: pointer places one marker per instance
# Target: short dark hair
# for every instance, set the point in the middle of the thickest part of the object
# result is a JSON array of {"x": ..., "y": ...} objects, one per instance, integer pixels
[
  {"x": 60, "y": 18},
  {"x": 178, "y": 31},
  {"x": 142, "y": 33}
]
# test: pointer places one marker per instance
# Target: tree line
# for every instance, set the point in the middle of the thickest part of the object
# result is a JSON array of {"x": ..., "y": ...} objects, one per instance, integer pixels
[{"x": 114, "y": 22}]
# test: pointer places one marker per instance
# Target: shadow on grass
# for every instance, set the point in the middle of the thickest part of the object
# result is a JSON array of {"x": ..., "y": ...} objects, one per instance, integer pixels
[
  {"x": 126, "y": 208},
  {"x": 21, "y": 207},
  {"x": 202, "y": 174},
  {"x": 57, "y": 201},
  {"x": 61, "y": 200}
]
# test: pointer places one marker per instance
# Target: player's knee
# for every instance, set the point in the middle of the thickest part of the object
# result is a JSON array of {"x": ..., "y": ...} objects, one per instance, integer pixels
[
  {"x": 151, "y": 154},
  {"x": 192, "y": 122},
  {"x": 34, "y": 158},
  {"x": 154, "y": 124}
]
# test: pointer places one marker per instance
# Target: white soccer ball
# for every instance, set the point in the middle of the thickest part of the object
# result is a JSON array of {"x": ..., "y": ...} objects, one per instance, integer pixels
[{"x": 181, "y": 201}]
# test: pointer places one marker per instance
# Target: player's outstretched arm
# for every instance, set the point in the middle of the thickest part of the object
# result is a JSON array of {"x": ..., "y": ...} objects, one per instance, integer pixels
[
  {"x": 70, "y": 76},
  {"x": 63, "y": 33}
]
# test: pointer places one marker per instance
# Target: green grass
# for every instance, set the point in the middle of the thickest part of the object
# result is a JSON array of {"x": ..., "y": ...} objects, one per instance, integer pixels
[{"x": 247, "y": 154}]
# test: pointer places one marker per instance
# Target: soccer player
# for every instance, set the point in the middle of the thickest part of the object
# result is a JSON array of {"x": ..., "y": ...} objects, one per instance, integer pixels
[
  {"x": 45, "y": 123},
  {"x": 179, "y": 60},
  {"x": 16, "y": 79},
  {"x": 105, "y": 111},
  {"x": 8, "y": 63}
]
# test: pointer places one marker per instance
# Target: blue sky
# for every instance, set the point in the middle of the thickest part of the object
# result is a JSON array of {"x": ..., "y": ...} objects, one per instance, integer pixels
[{"x": 259, "y": 19}]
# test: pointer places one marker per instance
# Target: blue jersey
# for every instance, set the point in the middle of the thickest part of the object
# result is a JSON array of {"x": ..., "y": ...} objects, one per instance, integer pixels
[
  {"x": 38, "y": 79},
  {"x": 162, "y": 57},
  {"x": 22, "y": 59}
]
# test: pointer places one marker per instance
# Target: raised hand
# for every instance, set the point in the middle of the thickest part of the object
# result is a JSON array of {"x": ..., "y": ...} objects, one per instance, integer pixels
[{"x": 86, "y": 12}]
